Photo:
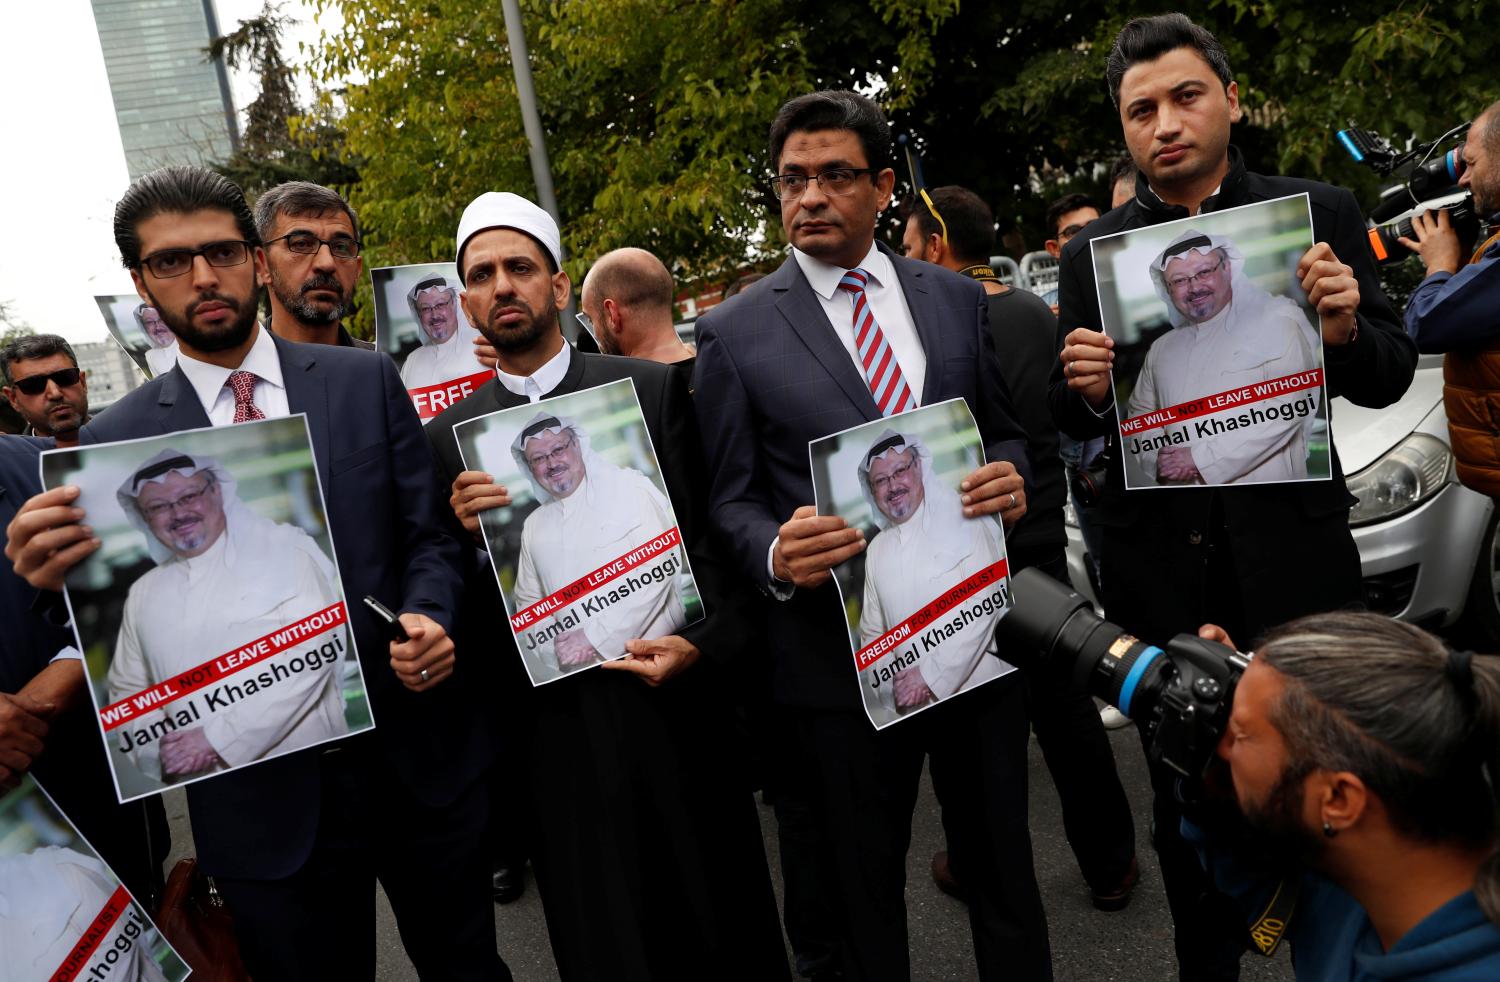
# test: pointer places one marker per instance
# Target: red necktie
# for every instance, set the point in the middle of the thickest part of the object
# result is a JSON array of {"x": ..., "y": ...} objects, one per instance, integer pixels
[
  {"x": 882, "y": 372},
  {"x": 242, "y": 384}
]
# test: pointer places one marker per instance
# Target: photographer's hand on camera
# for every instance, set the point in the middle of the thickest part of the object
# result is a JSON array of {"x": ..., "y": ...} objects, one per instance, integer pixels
[
  {"x": 1436, "y": 242},
  {"x": 1087, "y": 357}
]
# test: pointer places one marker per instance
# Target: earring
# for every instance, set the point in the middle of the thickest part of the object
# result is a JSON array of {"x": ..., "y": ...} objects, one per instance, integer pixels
[{"x": 1329, "y": 831}]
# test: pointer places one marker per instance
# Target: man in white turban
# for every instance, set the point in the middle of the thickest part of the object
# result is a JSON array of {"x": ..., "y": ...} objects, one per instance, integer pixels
[
  {"x": 49, "y": 899},
  {"x": 925, "y": 546},
  {"x": 1227, "y": 333},
  {"x": 225, "y": 577},
  {"x": 592, "y": 513},
  {"x": 447, "y": 351}
]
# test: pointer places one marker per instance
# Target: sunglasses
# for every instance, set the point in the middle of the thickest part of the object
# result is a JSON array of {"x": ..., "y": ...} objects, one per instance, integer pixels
[{"x": 37, "y": 384}]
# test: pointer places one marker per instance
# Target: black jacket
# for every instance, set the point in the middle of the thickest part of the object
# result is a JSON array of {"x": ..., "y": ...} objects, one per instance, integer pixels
[{"x": 1288, "y": 545}]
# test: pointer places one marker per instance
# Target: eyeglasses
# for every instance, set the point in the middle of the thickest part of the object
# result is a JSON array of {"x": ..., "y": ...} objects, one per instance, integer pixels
[
  {"x": 429, "y": 308},
  {"x": 35, "y": 385},
  {"x": 588, "y": 324},
  {"x": 306, "y": 244},
  {"x": 174, "y": 262},
  {"x": 555, "y": 456},
  {"x": 1069, "y": 232},
  {"x": 1178, "y": 283},
  {"x": 837, "y": 181},
  {"x": 153, "y": 512},
  {"x": 878, "y": 484}
]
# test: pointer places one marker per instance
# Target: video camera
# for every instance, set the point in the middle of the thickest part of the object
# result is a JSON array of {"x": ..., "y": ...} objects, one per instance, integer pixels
[
  {"x": 1180, "y": 696},
  {"x": 1429, "y": 182}
]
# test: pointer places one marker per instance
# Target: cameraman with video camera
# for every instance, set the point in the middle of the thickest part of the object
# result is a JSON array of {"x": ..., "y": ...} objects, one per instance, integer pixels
[
  {"x": 1456, "y": 310},
  {"x": 1358, "y": 747}
]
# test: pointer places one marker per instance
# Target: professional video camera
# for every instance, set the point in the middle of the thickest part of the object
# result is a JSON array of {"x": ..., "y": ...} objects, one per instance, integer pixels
[
  {"x": 1429, "y": 182},
  {"x": 1180, "y": 696}
]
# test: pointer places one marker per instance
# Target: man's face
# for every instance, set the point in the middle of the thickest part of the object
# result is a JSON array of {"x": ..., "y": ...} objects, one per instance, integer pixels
[
  {"x": 914, "y": 241},
  {"x": 57, "y": 408},
  {"x": 437, "y": 309},
  {"x": 896, "y": 482},
  {"x": 1268, "y": 789},
  {"x": 209, "y": 308},
  {"x": 316, "y": 289},
  {"x": 185, "y": 513},
  {"x": 593, "y": 309},
  {"x": 1481, "y": 170},
  {"x": 156, "y": 329},
  {"x": 508, "y": 293},
  {"x": 556, "y": 461},
  {"x": 1069, "y": 224},
  {"x": 1176, "y": 114},
  {"x": 838, "y": 229},
  {"x": 1198, "y": 283}
]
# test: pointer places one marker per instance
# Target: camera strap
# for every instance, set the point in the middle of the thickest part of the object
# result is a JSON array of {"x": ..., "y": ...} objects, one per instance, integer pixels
[{"x": 1267, "y": 930}]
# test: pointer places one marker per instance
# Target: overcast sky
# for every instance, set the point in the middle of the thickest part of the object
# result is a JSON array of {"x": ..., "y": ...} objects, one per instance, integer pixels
[{"x": 63, "y": 168}]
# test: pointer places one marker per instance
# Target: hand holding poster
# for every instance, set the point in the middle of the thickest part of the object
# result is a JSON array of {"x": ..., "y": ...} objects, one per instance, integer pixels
[
  {"x": 588, "y": 553},
  {"x": 1218, "y": 372},
  {"x": 138, "y": 328},
  {"x": 421, "y": 324},
  {"x": 64, "y": 916},
  {"x": 924, "y": 598},
  {"x": 212, "y": 617}
]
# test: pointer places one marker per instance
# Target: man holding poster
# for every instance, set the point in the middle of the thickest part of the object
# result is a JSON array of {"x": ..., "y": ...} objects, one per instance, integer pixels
[
  {"x": 609, "y": 510},
  {"x": 208, "y": 546}
]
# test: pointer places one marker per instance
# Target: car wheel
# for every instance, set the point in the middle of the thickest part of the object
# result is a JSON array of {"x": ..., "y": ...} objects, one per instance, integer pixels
[{"x": 1483, "y": 607}]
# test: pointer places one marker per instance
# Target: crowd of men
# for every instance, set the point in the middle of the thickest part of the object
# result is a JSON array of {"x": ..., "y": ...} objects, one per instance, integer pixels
[{"x": 629, "y": 788}]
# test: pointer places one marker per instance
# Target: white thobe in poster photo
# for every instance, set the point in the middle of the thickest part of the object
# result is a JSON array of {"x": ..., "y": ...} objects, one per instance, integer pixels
[{"x": 436, "y": 364}]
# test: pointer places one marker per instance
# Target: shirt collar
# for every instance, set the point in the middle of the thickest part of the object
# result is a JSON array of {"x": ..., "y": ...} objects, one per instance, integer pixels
[
  {"x": 544, "y": 380},
  {"x": 207, "y": 380},
  {"x": 824, "y": 277}
]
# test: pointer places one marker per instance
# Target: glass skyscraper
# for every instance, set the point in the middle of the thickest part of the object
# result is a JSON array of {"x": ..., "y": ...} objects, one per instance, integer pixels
[{"x": 172, "y": 104}]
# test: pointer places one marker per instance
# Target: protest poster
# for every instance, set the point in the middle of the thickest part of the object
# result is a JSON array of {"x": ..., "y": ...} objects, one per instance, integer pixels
[
  {"x": 137, "y": 327},
  {"x": 588, "y": 554},
  {"x": 211, "y": 618},
  {"x": 1218, "y": 370},
  {"x": 925, "y": 595},
  {"x": 64, "y": 915},
  {"x": 421, "y": 324}
]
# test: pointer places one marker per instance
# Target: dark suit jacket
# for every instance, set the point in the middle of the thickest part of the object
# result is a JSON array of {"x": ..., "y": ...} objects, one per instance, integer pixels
[
  {"x": 1292, "y": 552},
  {"x": 771, "y": 377},
  {"x": 386, "y": 512}
]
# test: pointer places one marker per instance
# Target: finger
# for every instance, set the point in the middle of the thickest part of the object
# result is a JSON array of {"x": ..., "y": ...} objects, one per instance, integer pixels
[
  {"x": 20, "y": 720},
  {"x": 466, "y": 478},
  {"x": 810, "y": 526},
  {"x": 1084, "y": 336},
  {"x": 1087, "y": 369},
  {"x": 994, "y": 489},
  {"x": 25, "y": 741},
  {"x": 1319, "y": 251},
  {"x": 1409, "y": 244},
  {"x": 824, "y": 561},
  {"x": 801, "y": 549},
  {"x": 49, "y": 575},
  {"x": 635, "y": 666},
  {"x": 806, "y": 511},
  {"x": 1443, "y": 221},
  {"x": 16, "y": 760},
  {"x": 433, "y": 678}
]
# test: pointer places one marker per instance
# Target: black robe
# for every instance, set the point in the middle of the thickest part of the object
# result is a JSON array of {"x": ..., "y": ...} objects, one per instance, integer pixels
[{"x": 645, "y": 840}]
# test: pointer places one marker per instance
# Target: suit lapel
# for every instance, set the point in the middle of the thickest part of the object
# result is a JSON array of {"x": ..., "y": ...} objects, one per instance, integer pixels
[
  {"x": 803, "y": 311},
  {"x": 307, "y": 392},
  {"x": 180, "y": 408},
  {"x": 924, "y": 315}
]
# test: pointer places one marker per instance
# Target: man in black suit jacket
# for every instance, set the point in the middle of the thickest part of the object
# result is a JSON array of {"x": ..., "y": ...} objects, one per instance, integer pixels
[
  {"x": 296, "y": 843},
  {"x": 776, "y": 369},
  {"x": 646, "y": 845}
]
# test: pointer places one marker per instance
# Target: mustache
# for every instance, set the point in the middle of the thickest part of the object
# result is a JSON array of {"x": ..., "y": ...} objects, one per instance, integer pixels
[
  {"x": 506, "y": 305},
  {"x": 212, "y": 297},
  {"x": 323, "y": 281}
]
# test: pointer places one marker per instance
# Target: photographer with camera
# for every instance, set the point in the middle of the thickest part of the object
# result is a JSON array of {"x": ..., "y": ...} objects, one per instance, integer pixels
[
  {"x": 1358, "y": 747},
  {"x": 1456, "y": 310}
]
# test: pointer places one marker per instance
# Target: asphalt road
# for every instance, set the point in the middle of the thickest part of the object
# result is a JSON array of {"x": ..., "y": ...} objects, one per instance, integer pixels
[{"x": 1134, "y": 945}]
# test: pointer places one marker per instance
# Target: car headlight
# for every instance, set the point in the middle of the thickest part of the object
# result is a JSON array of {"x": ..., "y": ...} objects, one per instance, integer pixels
[{"x": 1415, "y": 470}]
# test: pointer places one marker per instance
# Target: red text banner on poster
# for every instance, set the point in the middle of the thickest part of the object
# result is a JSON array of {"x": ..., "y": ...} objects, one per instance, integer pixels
[
  {"x": 433, "y": 399},
  {"x": 881, "y": 646},
  {"x": 91, "y": 939},
  {"x": 220, "y": 668},
  {"x": 588, "y": 583},
  {"x": 1220, "y": 401}
]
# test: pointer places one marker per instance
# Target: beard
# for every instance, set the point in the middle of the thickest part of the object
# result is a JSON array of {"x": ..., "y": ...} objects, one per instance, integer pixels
[
  {"x": 306, "y": 311},
  {"x": 230, "y": 335},
  {"x": 1277, "y": 824},
  {"x": 523, "y": 335}
]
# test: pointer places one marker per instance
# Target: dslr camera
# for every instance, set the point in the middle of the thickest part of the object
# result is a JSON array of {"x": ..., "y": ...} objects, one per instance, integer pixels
[
  {"x": 1427, "y": 181},
  {"x": 1180, "y": 695}
]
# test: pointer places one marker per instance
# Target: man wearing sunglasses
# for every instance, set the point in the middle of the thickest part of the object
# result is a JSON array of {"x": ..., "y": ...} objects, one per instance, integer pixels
[
  {"x": 311, "y": 262},
  {"x": 44, "y": 384}
]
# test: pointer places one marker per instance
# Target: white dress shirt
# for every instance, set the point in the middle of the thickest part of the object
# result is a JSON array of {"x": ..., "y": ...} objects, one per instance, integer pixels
[
  {"x": 544, "y": 380},
  {"x": 211, "y": 381}
]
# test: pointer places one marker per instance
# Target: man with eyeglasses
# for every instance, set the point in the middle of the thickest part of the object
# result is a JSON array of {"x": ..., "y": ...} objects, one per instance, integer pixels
[
  {"x": 44, "y": 384},
  {"x": 447, "y": 351},
  {"x": 311, "y": 263},
  {"x": 296, "y": 844},
  {"x": 842, "y": 334}
]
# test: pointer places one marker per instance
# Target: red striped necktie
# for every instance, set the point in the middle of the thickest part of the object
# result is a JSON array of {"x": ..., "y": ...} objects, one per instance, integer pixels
[{"x": 882, "y": 372}]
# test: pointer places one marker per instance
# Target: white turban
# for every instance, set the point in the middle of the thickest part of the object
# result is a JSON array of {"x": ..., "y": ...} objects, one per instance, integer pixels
[
  {"x": 1201, "y": 243},
  {"x": 501, "y": 209},
  {"x": 940, "y": 518}
]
